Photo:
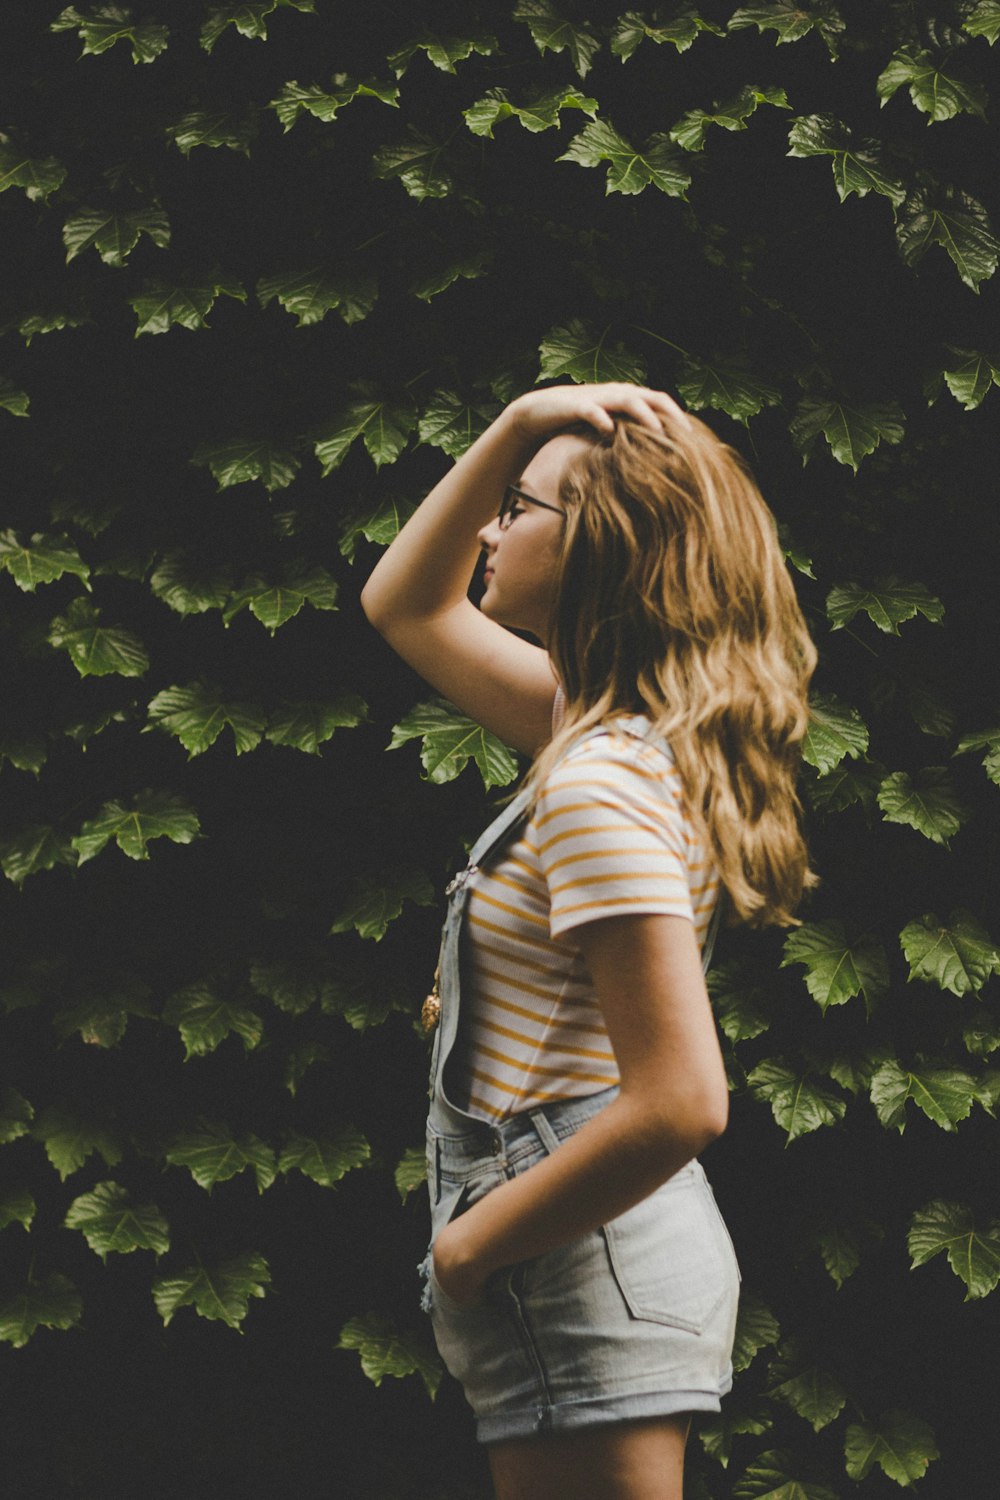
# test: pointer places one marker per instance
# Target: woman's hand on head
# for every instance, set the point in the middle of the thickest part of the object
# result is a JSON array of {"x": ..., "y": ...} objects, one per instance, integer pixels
[{"x": 540, "y": 413}]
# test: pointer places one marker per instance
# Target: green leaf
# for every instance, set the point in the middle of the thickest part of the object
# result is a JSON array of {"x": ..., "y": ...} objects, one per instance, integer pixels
[
  {"x": 988, "y": 740},
  {"x": 26, "y": 752},
  {"x": 384, "y": 425},
  {"x": 380, "y": 523},
  {"x": 629, "y": 171},
  {"x": 860, "y": 167},
  {"x": 727, "y": 384},
  {"x": 323, "y": 104},
  {"x": 540, "y": 113},
  {"x": 220, "y": 1292},
  {"x": 249, "y": 18},
  {"x": 585, "y": 356},
  {"x": 373, "y": 902},
  {"x": 852, "y": 429},
  {"x": 385, "y": 1351},
  {"x": 954, "y": 220},
  {"x": 681, "y": 29},
  {"x": 17, "y": 1206},
  {"x": 900, "y": 1443},
  {"x": 974, "y": 1255},
  {"x": 241, "y": 460},
  {"x": 739, "y": 1004},
  {"x": 273, "y": 604},
  {"x": 161, "y": 304},
  {"x": 109, "y": 1222},
  {"x": 551, "y": 32},
  {"x": 452, "y": 423},
  {"x": 959, "y": 956},
  {"x": 205, "y": 1018},
  {"x": 197, "y": 715},
  {"x": 37, "y": 176},
  {"x": 839, "y": 1246},
  {"x": 775, "y": 1475},
  {"x": 411, "y": 1171},
  {"x": 13, "y": 399},
  {"x": 212, "y": 127},
  {"x": 212, "y": 1154},
  {"x": 101, "y": 1017},
  {"x": 35, "y": 847},
  {"x": 444, "y": 51},
  {"x": 191, "y": 584},
  {"x": 836, "y": 968},
  {"x": 981, "y": 1035},
  {"x": 328, "y": 1158},
  {"x": 49, "y": 320},
  {"x": 937, "y": 94},
  {"x": 294, "y": 985},
  {"x": 451, "y": 739},
  {"x": 717, "y": 1431},
  {"x": 69, "y": 1140},
  {"x": 43, "y": 558},
  {"x": 972, "y": 377},
  {"x": 945, "y": 1095},
  {"x": 887, "y": 603},
  {"x": 756, "y": 1329},
  {"x": 732, "y": 114},
  {"x": 306, "y": 726},
  {"x": 299, "y": 1060},
  {"x": 846, "y": 786},
  {"x": 95, "y": 649},
  {"x": 469, "y": 268},
  {"x": 114, "y": 235},
  {"x": 835, "y": 730},
  {"x": 812, "y": 1392},
  {"x": 927, "y": 802},
  {"x": 51, "y": 1303},
  {"x": 152, "y": 815},
  {"x": 799, "y": 1102},
  {"x": 984, "y": 20},
  {"x": 311, "y": 294},
  {"x": 108, "y": 24},
  {"x": 16, "y": 1115},
  {"x": 791, "y": 21},
  {"x": 420, "y": 162}
]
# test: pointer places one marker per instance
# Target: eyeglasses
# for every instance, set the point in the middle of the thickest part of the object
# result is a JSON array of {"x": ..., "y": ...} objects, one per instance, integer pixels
[{"x": 508, "y": 506}]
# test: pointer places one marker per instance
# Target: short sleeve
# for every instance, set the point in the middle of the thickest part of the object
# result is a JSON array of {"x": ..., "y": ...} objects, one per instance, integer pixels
[{"x": 611, "y": 836}]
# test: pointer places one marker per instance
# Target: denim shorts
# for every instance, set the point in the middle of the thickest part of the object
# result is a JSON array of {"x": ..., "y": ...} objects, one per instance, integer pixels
[{"x": 633, "y": 1320}]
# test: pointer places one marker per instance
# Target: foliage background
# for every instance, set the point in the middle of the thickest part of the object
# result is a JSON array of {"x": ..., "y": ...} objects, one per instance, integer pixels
[{"x": 246, "y": 323}]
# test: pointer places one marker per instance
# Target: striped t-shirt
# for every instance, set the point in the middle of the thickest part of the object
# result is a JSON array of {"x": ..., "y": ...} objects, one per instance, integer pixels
[{"x": 608, "y": 835}]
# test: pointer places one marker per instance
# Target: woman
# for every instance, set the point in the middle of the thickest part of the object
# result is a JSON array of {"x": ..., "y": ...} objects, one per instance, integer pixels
[{"x": 581, "y": 1283}]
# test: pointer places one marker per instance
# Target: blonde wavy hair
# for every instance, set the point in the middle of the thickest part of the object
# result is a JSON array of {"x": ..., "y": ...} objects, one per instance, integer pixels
[{"x": 673, "y": 600}]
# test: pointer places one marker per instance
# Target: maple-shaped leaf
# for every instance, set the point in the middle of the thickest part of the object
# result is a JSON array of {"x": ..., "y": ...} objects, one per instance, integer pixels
[
  {"x": 197, "y": 715},
  {"x": 974, "y": 1255},
  {"x": 799, "y": 1102},
  {"x": 859, "y": 166},
  {"x": 901, "y": 1444},
  {"x": 323, "y": 104},
  {"x": 52, "y": 1302},
  {"x": 988, "y": 740},
  {"x": 205, "y": 1018},
  {"x": 926, "y": 801},
  {"x": 44, "y": 557},
  {"x": 717, "y": 1431},
  {"x": 442, "y": 49},
  {"x": 970, "y": 376},
  {"x": 551, "y": 32},
  {"x": 730, "y": 114},
  {"x": 958, "y": 955},
  {"x": 249, "y": 17},
  {"x": 114, "y": 235},
  {"x": 683, "y": 28},
  {"x": 847, "y": 785},
  {"x": 212, "y": 1153},
  {"x": 384, "y": 425},
  {"x": 294, "y": 985},
  {"x": 839, "y": 1246},
  {"x": 16, "y": 1115},
  {"x": 452, "y": 423},
  {"x": 161, "y": 305},
  {"x": 852, "y": 1067},
  {"x": 190, "y": 583},
  {"x": 101, "y": 1017},
  {"x": 48, "y": 320},
  {"x": 12, "y": 398},
  {"x": 26, "y": 751},
  {"x": 298, "y": 1061},
  {"x": 373, "y": 902},
  {"x": 108, "y": 24},
  {"x": 212, "y": 127},
  {"x": 630, "y": 170},
  {"x": 384, "y": 1350},
  {"x": 420, "y": 162},
  {"x": 838, "y": 969},
  {"x": 853, "y": 429},
  {"x": 381, "y": 522},
  {"x": 69, "y": 1139},
  {"x": 311, "y": 294},
  {"x": 17, "y": 1206},
  {"x": 306, "y": 726},
  {"x": 243, "y": 459},
  {"x": 152, "y": 815},
  {"x": 468, "y": 268},
  {"x": 327, "y": 1158},
  {"x": 777, "y": 1474},
  {"x": 274, "y": 603},
  {"x": 756, "y": 1328},
  {"x": 887, "y": 603},
  {"x": 945, "y": 1095},
  {"x": 936, "y": 93},
  {"x": 537, "y": 114},
  {"x": 811, "y": 1391},
  {"x": 835, "y": 730},
  {"x": 96, "y": 649},
  {"x": 957, "y": 222},
  {"x": 37, "y": 176},
  {"x": 739, "y": 1004},
  {"x": 585, "y": 356},
  {"x": 726, "y": 384},
  {"x": 37, "y": 846},
  {"x": 221, "y": 1291},
  {"x": 981, "y": 1035},
  {"x": 984, "y": 20},
  {"x": 110, "y": 1222},
  {"x": 451, "y": 739},
  {"x": 791, "y": 21},
  {"x": 411, "y": 1171}
]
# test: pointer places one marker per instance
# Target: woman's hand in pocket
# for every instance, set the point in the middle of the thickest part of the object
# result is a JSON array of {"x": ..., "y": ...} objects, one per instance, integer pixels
[{"x": 455, "y": 1273}]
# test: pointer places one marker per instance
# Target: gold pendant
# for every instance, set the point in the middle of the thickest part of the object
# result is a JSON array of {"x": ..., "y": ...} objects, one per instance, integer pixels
[{"x": 430, "y": 1011}]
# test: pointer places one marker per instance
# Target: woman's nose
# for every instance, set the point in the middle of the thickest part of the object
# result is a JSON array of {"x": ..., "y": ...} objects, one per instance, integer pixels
[{"x": 488, "y": 535}]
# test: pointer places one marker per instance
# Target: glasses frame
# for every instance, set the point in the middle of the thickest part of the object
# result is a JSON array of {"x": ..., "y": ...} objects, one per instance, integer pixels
[{"x": 510, "y": 497}]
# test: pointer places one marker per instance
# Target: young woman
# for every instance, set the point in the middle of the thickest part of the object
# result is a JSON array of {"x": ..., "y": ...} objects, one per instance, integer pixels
[{"x": 581, "y": 1282}]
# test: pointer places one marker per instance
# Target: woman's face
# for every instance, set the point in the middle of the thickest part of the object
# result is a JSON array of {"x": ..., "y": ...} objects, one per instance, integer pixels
[{"x": 521, "y": 561}]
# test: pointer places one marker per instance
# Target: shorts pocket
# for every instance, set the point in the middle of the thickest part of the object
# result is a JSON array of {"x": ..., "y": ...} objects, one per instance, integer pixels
[{"x": 670, "y": 1254}]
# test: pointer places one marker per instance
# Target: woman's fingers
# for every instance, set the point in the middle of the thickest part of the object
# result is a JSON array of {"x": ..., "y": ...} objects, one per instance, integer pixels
[{"x": 545, "y": 410}]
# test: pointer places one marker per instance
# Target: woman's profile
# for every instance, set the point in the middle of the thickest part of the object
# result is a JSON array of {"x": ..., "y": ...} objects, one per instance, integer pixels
[{"x": 581, "y": 1282}]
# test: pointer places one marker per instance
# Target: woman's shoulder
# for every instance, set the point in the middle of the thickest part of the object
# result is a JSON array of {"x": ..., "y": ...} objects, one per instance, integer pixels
[{"x": 625, "y": 744}]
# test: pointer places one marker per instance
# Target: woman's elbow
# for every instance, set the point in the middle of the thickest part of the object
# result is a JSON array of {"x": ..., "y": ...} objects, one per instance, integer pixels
[{"x": 697, "y": 1119}]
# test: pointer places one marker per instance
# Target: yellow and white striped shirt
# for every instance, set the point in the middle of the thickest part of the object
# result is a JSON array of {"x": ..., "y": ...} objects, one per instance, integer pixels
[{"x": 608, "y": 835}]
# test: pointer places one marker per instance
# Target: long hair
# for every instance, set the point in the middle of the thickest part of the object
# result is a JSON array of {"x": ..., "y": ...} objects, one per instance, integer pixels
[{"x": 673, "y": 600}]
